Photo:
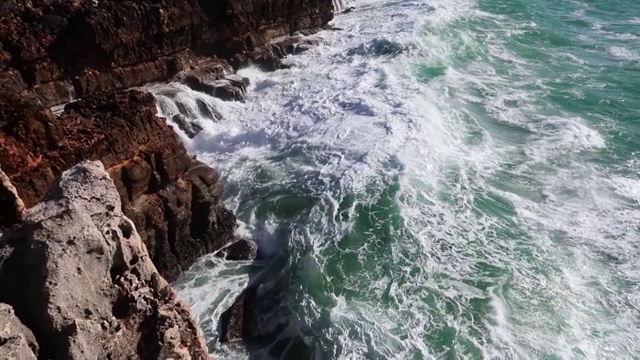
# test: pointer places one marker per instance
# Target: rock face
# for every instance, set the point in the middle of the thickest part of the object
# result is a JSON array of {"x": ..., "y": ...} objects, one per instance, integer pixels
[
  {"x": 16, "y": 340},
  {"x": 173, "y": 199},
  {"x": 54, "y": 50},
  {"x": 79, "y": 276},
  {"x": 77, "y": 272}
]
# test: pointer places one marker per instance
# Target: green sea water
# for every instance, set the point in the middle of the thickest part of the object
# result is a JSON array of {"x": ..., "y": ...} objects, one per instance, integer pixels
[{"x": 474, "y": 196}]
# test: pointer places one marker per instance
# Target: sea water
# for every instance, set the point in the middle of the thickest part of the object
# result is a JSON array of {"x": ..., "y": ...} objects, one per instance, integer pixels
[{"x": 440, "y": 179}]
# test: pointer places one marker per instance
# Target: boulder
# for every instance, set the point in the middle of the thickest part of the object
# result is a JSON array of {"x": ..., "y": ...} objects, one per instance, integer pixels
[
  {"x": 243, "y": 249},
  {"x": 16, "y": 340},
  {"x": 79, "y": 276}
]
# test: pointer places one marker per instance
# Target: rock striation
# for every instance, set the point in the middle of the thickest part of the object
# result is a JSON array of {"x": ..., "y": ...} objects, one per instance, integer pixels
[
  {"x": 173, "y": 199},
  {"x": 79, "y": 276},
  {"x": 52, "y": 51},
  {"x": 83, "y": 278}
]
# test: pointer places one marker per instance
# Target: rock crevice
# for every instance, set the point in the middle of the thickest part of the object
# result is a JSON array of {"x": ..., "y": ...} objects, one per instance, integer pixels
[
  {"x": 52, "y": 51},
  {"x": 79, "y": 276}
]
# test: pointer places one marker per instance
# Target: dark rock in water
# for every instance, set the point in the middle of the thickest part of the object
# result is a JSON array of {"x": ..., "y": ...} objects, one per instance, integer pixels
[
  {"x": 208, "y": 111},
  {"x": 16, "y": 340},
  {"x": 189, "y": 127},
  {"x": 268, "y": 58},
  {"x": 236, "y": 321},
  {"x": 242, "y": 249},
  {"x": 79, "y": 276},
  {"x": 377, "y": 47},
  {"x": 215, "y": 78},
  {"x": 348, "y": 10},
  {"x": 222, "y": 89}
]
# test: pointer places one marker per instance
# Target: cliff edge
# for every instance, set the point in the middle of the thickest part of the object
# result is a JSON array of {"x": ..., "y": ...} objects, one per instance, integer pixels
[{"x": 80, "y": 278}]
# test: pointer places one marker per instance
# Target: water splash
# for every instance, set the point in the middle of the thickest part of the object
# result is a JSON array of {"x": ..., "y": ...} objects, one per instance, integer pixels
[{"x": 440, "y": 203}]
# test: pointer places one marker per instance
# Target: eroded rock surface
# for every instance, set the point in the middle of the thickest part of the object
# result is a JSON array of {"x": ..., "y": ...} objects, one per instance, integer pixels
[
  {"x": 52, "y": 51},
  {"x": 173, "y": 199},
  {"x": 16, "y": 340},
  {"x": 79, "y": 276}
]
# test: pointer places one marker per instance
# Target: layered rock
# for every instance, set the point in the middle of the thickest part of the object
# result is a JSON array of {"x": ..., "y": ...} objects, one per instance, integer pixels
[
  {"x": 79, "y": 276},
  {"x": 52, "y": 51},
  {"x": 173, "y": 199}
]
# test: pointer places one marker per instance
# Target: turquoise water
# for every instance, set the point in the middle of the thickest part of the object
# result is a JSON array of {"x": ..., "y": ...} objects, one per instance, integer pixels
[{"x": 472, "y": 194}]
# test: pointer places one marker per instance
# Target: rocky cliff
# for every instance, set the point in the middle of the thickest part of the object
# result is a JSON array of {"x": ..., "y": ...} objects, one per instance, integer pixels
[
  {"x": 92, "y": 52},
  {"x": 79, "y": 276},
  {"x": 173, "y": 199},
  {"x": 52, "y": 51}
]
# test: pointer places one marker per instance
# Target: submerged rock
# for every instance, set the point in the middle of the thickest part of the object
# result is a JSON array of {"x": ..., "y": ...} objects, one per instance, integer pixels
[
  {"x": 79, "y": 276},
  {"x": 377, "y": 47},
  {"x": 236, "y": 322},
  {"x": 190, "y": 127}
]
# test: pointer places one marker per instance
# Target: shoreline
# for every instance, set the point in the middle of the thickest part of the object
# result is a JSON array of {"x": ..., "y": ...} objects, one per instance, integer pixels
[{"x": 83, "y": 55}]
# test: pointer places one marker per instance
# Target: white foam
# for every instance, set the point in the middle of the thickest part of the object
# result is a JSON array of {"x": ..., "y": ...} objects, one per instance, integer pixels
[
  {"x": 622, "y": 53},
  {"x": 342, "y": 130}
]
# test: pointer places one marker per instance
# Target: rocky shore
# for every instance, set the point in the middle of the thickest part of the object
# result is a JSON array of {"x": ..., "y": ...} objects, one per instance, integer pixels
[{"x": 88, "y": 247}]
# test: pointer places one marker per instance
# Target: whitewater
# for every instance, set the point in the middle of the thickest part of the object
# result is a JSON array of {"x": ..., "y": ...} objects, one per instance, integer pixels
[{"x": 439, "y": 179}]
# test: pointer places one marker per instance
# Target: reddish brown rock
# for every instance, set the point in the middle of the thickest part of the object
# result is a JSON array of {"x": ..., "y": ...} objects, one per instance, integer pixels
[
  {"x": 111, "y": 45},
  {"x": 173, "y": 199}
]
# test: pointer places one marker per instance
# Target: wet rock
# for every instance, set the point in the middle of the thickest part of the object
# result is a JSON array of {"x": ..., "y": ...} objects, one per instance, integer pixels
[
  {"x": 215, "y": 78},
  {"x": 16, "y": 340},
  {"x": 269, "y": 57},
  {"x": 378, "y": 47},
  {"x": 222, "y": 89},
  {"x": 348, "y": 10},
  {"x": 236, "y": 322},
  {"x": 191, "y": 128},
  {"x": 243, "y": 249},
  {"x": 79, "y": 276}
]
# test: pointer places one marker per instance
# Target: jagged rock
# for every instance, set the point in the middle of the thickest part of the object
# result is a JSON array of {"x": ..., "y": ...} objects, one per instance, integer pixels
[
  {"x": 56, "y": 49},
  {"x": 236, "y": 321},
  {"x": 11, "y": 204},
  {"x": 79, "y": 276},
  {"x": 16, "y": 340},
  {"x": 215, "y": 78},
  {"x": 189, "y": 127},
  {"x": 243, "y": 249},
  {"x": 173, "y": 200},
  {"x": 268, "y": 57},
  {"x": 222, "y": 89}
]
